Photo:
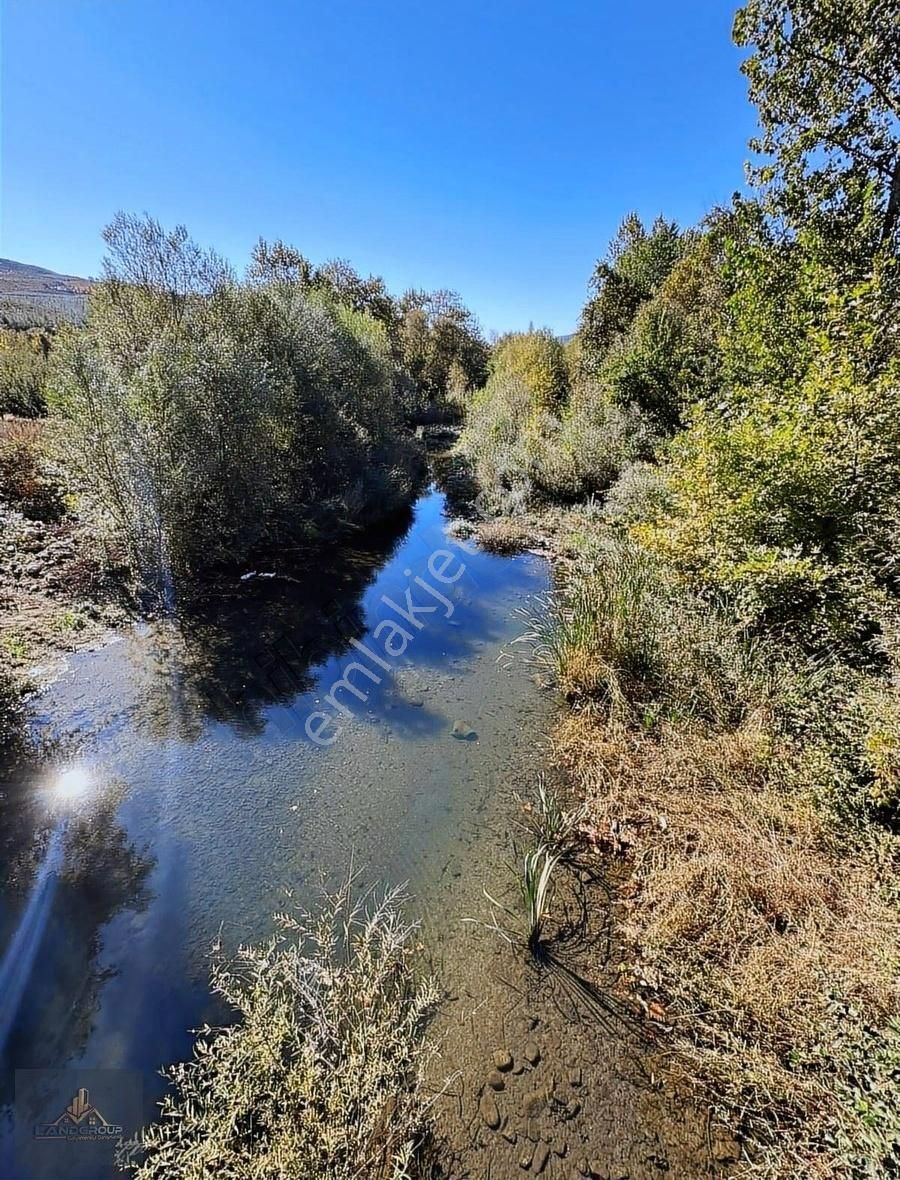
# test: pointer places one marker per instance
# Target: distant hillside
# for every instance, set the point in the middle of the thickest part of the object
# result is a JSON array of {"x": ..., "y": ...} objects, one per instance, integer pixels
[
  {"x": 34, "y": 297},
  {"x": 21, "y": 278}
]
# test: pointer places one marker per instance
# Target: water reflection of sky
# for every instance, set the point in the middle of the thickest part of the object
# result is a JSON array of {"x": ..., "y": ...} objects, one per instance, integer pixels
[{"x": 192, "y": 796}]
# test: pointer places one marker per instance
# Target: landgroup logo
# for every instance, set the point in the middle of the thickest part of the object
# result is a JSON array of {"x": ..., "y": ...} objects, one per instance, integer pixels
[{"x": 81, "y": 1121}]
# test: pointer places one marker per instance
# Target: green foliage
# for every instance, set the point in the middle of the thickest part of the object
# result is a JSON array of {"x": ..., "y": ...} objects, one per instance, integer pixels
[
  {"x": 784, "y": 497},
  {"x": 622, "y": 632},
  {"x": 538, "y": 360},
  {"x": 509, "y": 418},
  {"x": 825, "y": 78},
  {"x": 441, "y": 348},
  {"x": 212, "y": 419},
  {"x": 636, "y": 264},
  {"x": 531, "y": 440},
  {"x": 320, "y": 1076},
  {"x": 436, "y": 346},
  {"x": 23, "y": 371},
  {"x": 639, "y": 494}
]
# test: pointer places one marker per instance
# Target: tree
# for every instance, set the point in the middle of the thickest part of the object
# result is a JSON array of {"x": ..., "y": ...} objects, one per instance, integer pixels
[
  {"x": 825, "y": 77},
  {"x": 439, "y": 333},
  {"x": 636, "y": 264}
]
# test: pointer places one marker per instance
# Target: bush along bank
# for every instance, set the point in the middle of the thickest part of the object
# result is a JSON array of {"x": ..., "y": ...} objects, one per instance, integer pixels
[
  {"x": 716, "y": 456},
  {"x": 211, "y": 419}
]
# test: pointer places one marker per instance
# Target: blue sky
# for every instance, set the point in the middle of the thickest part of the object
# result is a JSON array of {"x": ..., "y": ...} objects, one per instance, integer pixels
[{"x": 491, "y": 146}]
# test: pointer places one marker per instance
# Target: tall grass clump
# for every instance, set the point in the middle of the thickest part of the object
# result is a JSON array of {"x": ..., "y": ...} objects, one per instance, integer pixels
[
  {"x": 320, "y": 1075},
  {"x": 537, "y": 881},
  {"x": 554, "y": 826},
  {"x": 212, "y": 419},
  {"x": 620, "y": 630}
]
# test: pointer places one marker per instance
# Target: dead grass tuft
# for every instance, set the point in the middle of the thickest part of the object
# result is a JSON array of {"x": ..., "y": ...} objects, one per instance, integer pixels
[
  {"x": 502, "y": 535},
  {"x": 764, "y": 939}
]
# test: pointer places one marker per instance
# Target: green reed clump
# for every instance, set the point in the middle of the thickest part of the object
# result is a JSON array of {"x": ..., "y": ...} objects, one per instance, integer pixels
[
  {"x": 536, "y": 885},
  {"x": 621, "y": 631},
  {"x": 553, "y": 825}
]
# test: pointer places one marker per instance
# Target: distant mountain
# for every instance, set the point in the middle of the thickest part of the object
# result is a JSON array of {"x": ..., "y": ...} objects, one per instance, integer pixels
[
  {"x": 21, "y": 278},
  {"x": 565, "y": 339}
]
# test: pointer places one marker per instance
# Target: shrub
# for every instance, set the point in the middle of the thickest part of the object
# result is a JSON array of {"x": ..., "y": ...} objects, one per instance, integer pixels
[
  {"x": 320, "y": 1075},
  {"x": 784, "y": 498},
  {"x": 639, "y": 494},
  {"x": 537, "y": 359},
  {"x": 621, "y": 631},
  {"x": 23, "y": 371},
  {"x": 26, "y": 479},
  {"x": 523, "y": 453},
  {"x": 493, "y": 440},
  {"x": 212, "y": 420}
]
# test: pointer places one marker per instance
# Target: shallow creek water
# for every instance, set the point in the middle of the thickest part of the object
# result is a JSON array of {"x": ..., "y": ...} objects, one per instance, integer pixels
[{"x": 185, "y": 797}]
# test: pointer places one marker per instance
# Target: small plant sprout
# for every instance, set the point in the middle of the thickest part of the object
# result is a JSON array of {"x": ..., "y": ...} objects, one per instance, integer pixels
[
  {"x": 553, "y": 825},
  {"x": 536, "y": 882}
]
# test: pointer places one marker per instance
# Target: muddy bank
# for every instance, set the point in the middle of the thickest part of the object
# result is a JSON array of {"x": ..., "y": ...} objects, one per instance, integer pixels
[{"x": 551, "y": 1069}]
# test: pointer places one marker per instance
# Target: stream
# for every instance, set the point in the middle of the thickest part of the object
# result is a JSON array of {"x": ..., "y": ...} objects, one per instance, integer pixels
[{"x": 200, "y": 774}]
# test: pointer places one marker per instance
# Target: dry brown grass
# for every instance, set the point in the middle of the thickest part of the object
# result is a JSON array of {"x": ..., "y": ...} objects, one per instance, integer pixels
[
  {"x": 502, "y": 535},
  {"x": 24, "y": 478},
  {"x": 754, "y": 928}
]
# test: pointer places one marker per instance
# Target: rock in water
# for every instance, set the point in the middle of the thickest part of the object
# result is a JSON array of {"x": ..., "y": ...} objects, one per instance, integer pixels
[{"x": 463, "y": 732}]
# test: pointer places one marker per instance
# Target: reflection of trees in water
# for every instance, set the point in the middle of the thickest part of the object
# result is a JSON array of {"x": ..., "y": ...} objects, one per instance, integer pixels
[
  {"x": 255, "y": 647},
  {"x": 102, "y": 874}
]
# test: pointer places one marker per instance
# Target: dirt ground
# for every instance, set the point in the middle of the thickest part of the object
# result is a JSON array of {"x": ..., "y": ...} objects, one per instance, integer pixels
[
  {"x": 548, "y": 1068},
  {"x": 59, "y": 592}
]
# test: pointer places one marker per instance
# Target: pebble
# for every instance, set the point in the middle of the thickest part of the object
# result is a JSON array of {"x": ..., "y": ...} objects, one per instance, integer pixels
[
  {"x": 495, "y": 1080},
  {"x": 541, "y": 1155},
  {"x": 463, "y": 732},
  {"x": 573, "y": 1109},
  {"x": 532, "y": 1053},
  {"x": 575, "y": 1077},
  {"x": 510, "y": 1136},
  {"x": 503, "y": 1060},
  {"x": 533, "y": 1104},
  {"x": 596, "y": 1169},
  {"x": 526, "y": 1157},
  {"x": 487, "y": 1108}
]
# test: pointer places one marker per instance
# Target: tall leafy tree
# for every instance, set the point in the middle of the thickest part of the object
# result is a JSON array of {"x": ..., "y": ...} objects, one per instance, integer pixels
[
  {"x": 636, "y": 263},
  {"x": 825, "y": 78}
]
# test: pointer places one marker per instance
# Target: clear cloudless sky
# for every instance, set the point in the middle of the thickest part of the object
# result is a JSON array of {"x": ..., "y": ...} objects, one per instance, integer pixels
[{"x": 491, "y": 146}]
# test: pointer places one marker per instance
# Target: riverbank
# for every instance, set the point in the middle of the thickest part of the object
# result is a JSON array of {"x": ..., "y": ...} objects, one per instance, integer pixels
[{"x": 759, "y": 924}]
